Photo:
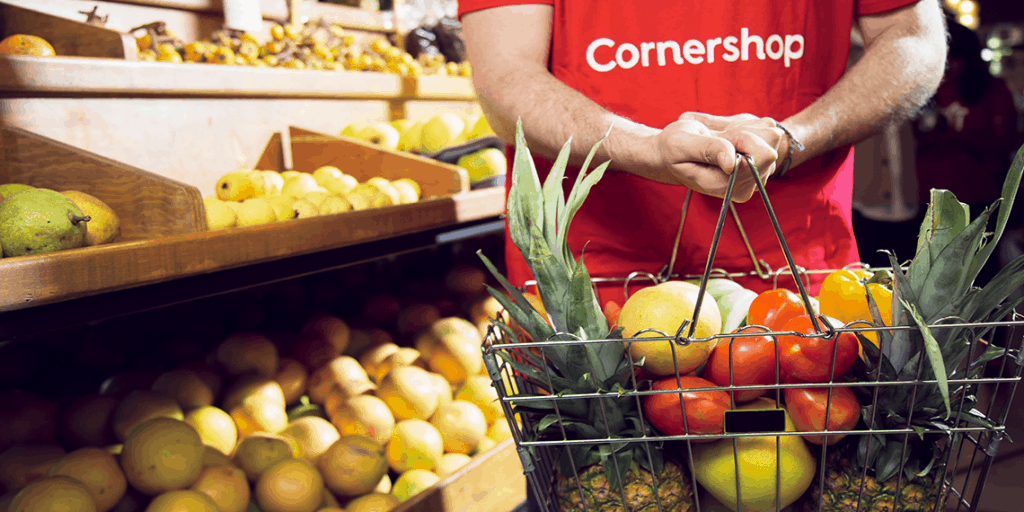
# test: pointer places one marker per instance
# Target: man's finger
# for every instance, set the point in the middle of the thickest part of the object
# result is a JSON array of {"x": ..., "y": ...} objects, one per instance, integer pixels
[
  {"x": 690, "y": 141},
  {"x": 717, "y": 122}
]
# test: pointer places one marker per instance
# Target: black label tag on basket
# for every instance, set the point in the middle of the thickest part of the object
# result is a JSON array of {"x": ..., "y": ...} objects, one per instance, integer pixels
[{"x": 755, "y": 421}]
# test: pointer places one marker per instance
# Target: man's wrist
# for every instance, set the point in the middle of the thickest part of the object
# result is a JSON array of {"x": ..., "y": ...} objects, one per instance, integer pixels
[{"x": 791, "y": 145}]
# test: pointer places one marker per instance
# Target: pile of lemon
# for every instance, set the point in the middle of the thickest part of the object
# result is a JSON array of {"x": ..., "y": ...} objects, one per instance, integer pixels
[
  {"x": 254, "y": 197},
  {"x": 364, "y": 428}
]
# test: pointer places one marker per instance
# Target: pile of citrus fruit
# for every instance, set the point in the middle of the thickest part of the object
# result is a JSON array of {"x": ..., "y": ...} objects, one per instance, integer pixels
[{"x": 313, "y": 418}]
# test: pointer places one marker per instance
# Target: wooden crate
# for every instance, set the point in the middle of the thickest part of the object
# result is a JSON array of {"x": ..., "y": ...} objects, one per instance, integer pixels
[
  {"x": 149, "y": 205},
  {"x": 69, "y": 38},
  {"x": 492, "y": 482},
  {"x": 310, "y": 150}
]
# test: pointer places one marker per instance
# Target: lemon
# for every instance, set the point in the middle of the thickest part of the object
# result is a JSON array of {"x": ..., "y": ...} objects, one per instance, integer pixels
[
  {"x": 413, "y": 482},
  {"x": 253, "y": 388},
  {"x": 715, "y": 466},
  {"x": 485, "y": 445},
  {"x": 140, "y": 406},
  {"x": 461, "y": 424},
  {"x": 292, "y": 378},
  {"x": 215, "y": 427},
  {"x": 499, "y": 430},
  {"x": 415, "y": 444}
]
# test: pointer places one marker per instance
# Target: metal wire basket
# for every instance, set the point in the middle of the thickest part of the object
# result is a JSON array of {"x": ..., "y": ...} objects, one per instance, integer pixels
[{"x": 968, "y": 450}]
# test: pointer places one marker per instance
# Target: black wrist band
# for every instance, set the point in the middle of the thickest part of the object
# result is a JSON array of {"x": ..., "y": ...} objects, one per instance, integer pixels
[{"x": 794, "y": 146}]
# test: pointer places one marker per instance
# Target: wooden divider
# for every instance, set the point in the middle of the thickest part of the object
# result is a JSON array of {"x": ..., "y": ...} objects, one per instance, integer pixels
[{"x": 149, "y": 205}]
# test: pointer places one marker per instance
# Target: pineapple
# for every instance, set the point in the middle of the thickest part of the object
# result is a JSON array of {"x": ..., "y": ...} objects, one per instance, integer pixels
[
  {"x": 938, "y": 284},
  {"x": 599, "y": 476}
]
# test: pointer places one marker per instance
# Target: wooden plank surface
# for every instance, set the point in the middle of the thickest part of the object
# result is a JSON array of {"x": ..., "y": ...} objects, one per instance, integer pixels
[
  {"x": 28, "y": 281},
  {"x": 492, "y": 482},
  {"x": 439, "y": 87},
  {"x": 363, "y": 160},
  {"x": 103, "y": 76},
  {"x": 67, "y": 36},
  {"x": 149, "y": 205}
]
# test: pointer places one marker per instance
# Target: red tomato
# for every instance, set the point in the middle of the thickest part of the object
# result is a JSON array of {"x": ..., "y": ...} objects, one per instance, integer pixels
[
  {"x": 774, "y": 308},
  {"x": 810, "y": 359},
  {"x": 753, "y": 362},
  {"x": 705, "y": 410},
  {"x": 807, "y": 407}
]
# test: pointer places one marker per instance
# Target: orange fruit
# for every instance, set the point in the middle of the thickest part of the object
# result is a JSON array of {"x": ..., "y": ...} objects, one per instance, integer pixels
[{"x": 22, "y": 44}]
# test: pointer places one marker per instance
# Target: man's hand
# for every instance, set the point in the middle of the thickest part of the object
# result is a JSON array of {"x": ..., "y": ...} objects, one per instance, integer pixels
[{"x": 696, "y": 138}]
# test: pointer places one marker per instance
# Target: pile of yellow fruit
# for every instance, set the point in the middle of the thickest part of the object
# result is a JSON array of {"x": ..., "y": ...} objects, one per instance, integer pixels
[
  {"x": 315, "y": 45},
  {"x": 342, "y": 424},
  {"x": 253, "y": 197}
]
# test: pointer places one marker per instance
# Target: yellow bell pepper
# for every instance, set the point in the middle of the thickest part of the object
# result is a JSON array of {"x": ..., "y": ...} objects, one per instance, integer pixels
[{"x": 843, "y": 295}]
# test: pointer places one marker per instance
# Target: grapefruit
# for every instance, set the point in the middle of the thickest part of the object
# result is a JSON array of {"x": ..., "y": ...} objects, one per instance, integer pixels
[
  {"x": 185, "y": 387},
  {"x": 353, "y": 466},
  {"x": 22, "y": 44},
  {"x": 98, "y": 470},
  {"x": 313, "y": 435},
  {"x": 54, "y": 494},
  {"x": 364, "y": 415},
  {"x": 373, "y": 502},
  {"x": 409, "y": 392},
  {"x": 452, "y": 462},
  {"x": 24, "y": 463},
  {"x": 292, "y": 377},
  {"x": 244, "y": 352},
  {"x": 479, "y": 391},
  {"x": 182, "y": 501},
  {"x": 140, "y": 406},
  {"x": 26, "y": 417},
  {"x": 88, "y": 421},
  {"x": 215, "y": 427},
  {"x": 413, "y": 482},
  {"x": 258, "y": 452},
  {"x": 462, "y": 425},
  {"x": 289, "y": 486},
  {"x": 715, "y": 466},
  {"x": 415, "y": 444},
  {"x": 664, "y": 307},
  {"x": 224, "y": 485},
  {"x": 162, "y": 454}
]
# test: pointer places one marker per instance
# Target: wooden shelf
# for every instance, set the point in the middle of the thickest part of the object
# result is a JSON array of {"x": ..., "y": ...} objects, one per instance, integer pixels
[
  {"x": 85, "y": 76},
  {"x": 492, "y": 482},
  {"x": 90, "y": 76},
  {"x": 31, "y": 281}
]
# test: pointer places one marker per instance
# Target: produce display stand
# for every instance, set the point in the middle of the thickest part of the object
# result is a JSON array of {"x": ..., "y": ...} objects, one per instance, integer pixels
[{"x": 135, "y": 127}]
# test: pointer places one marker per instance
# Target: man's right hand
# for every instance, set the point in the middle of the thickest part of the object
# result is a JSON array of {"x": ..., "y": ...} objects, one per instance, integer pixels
[{"x": 699, "y": 151}]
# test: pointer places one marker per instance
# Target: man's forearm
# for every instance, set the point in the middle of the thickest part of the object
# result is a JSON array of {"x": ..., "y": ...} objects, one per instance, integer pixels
[
  {"x": 899, "y": 71},
  {"x": 551, "y": 112}
]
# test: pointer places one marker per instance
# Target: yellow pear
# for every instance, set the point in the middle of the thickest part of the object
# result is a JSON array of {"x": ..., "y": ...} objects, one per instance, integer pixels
[
  {"x": 335, "y": 204},
  {"x": 327, "y": 171},
  {"x": 260, "y": 182},
  {"x": 385, "y": 187},
  {"x": 218, "y": 214},
  {"x": 440, "y": 131},
  {"x": 407, "y": 193},
  {"x": 235, "y": 186},
  {"x": 299, "y": 185},
  {"x": 409, "y": 138},
  {"x": 481, "y": 129},
  {"x": 353, "y": 129},
  {"x": 255, "y": 211},
  {"x": 287, "y": 175},
  {"x": 276, "y": 182},
  {"x": 340, "y": 185},
  {"x": 484, "y": 164},
  {"x": 304, "y": 208},
  {"x": 105, "y": 226},
  {"x": 282, "y": 206},
  {"x": 381, "y": 134}
]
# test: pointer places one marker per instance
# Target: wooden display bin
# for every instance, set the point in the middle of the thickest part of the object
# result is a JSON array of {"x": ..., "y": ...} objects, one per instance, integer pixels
[
  {"x": 149, "y": 206},
  {"x": 491, "y": 482},
  {"x": 310, "y": 150},
  {"x": 68, "y": 37}
]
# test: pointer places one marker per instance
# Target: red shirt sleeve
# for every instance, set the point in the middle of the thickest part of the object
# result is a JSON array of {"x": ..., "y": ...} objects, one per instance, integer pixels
[
  {"x": 869, "y": 7},
  {"x": 466, "y": 6}
]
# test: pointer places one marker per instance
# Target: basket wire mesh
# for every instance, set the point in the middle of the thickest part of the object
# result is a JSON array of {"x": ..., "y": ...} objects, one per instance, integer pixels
[{"x": 969, "y": 451}]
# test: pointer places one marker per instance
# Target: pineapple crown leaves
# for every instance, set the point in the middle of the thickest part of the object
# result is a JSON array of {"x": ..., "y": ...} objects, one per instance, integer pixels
[
  {"x": 938, "y": 287},
  {"x": 539, "y": 216}
]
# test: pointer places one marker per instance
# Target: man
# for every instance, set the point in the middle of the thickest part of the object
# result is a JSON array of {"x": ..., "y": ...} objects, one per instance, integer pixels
[{"x": 684, "y": 85}]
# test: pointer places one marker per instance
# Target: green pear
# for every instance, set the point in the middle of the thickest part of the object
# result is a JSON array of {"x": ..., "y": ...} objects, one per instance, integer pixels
[
  {"x": 440, "y": 131},
  {"x": 9, "y": 189},
  {"x": 39, "y": 220}
]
